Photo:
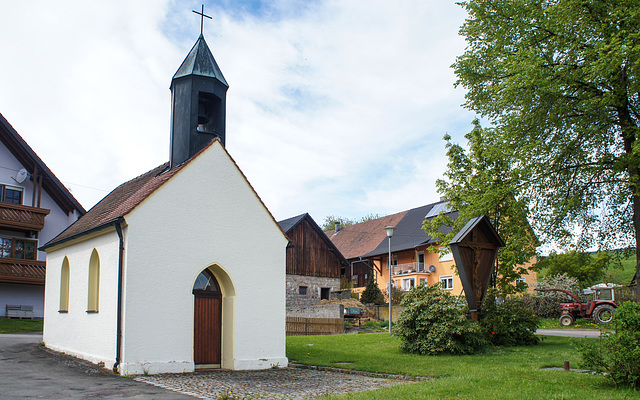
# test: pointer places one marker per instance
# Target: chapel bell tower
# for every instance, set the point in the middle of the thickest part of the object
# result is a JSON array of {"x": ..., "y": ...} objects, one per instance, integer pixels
[{"x": 198, "y": 103}]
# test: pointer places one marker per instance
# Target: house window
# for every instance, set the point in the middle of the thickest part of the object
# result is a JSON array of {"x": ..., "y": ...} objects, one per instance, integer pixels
[
  {"x": 324, "y": 293},
  {"x": 407, "y": 284},
  {"x": 446, "y": 282},
  {"x": 64, "y": 286},
  {"x": 521, "y": 279},
  {"x": 93, "y": 297},
  {"x": 445, "y": 257},
  {"x": 22, "y": 249},
  {"x": 423, "y": 280},
  {"x": 302, "y": 290},
  {"x": 10, "y": 194}
]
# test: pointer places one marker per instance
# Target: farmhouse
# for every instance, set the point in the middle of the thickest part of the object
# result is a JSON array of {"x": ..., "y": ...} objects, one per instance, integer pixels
[
  {"x": 181, "y": 267},
  {"x": 366, "y": 248},
  {"x": 34, "y": 207}
]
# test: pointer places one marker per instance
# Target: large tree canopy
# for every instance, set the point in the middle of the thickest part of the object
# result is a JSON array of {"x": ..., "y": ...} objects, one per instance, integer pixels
[
  {"x": 559, "y": 81},
  {"x": 481, "y": 181}
]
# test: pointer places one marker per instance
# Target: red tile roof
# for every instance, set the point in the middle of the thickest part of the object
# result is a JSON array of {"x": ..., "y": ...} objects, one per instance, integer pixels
[{"x": 359, "y": 239}]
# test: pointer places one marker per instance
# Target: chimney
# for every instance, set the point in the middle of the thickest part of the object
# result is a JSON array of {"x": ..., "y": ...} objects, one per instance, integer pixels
[{"x": 337, "y": 227}]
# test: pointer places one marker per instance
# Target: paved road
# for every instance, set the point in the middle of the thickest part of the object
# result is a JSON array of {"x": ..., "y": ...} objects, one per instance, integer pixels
[
  {"x": 28, "y": 371},
  {"x": 589, "y": 333}
]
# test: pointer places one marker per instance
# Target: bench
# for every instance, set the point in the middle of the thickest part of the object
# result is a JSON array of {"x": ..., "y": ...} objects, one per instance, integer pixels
[{"x": 19, "y": 311}]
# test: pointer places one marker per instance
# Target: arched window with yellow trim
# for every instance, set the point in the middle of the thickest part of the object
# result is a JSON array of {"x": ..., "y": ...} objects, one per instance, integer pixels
[
  {"x": 94, "y": 282},
  {"x": 64, "y": 286}
]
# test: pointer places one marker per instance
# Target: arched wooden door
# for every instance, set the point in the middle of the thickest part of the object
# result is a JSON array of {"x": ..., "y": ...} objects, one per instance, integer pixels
[{"x": 207, "y": 314}]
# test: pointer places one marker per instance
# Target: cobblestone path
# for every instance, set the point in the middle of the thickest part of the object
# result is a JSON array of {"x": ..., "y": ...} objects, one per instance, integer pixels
[{"x": 280, "y": 383}]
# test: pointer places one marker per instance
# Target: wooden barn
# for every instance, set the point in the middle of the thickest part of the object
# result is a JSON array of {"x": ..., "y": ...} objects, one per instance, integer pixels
[{"x": 314, "y": 263}]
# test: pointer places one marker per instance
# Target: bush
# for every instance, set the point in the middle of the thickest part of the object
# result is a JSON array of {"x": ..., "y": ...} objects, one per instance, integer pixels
[
  {"x": 372, "y": 293},
  {"x": 542, "y": 306},
  {"x": 508, "y": 323},
  {"x": 432, "y": 324},
  {"x": 547, "y": 304},
  {"x": 617, "y": 353}
]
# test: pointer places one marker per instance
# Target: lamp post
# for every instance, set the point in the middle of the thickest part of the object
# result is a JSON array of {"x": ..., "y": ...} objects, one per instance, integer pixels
[{"x": 389, "y": 230}]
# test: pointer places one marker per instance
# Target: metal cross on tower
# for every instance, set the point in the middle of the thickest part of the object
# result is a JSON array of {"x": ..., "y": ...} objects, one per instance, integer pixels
[{"x": 202, "y": 17}]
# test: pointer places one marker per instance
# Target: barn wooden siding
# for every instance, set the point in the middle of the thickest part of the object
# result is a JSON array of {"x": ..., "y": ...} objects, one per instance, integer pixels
[
  {"x": 311, "y": 256},
  {"x": 362, "y": 271},
  {"x": 299, "y": 326}
]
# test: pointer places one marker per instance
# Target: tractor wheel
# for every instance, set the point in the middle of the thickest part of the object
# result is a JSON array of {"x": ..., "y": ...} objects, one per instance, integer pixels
[
  {"x": 603, "y": 314},
  {"x": 566, "y": 320}
]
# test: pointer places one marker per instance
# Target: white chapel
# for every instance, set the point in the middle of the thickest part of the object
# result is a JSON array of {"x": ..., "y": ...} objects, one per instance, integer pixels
[{"x": 180, "y": 268}]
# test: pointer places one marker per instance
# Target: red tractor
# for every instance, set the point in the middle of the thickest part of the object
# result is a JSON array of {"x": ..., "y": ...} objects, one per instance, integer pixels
[{"x": 601, "y": 308}]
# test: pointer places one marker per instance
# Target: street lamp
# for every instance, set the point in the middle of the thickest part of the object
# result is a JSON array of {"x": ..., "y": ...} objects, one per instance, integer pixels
[{"x": 389, "y": 230}]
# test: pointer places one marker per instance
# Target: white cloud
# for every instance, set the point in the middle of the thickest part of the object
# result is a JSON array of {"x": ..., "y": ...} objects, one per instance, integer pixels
[{"x": 339, "y": 109}]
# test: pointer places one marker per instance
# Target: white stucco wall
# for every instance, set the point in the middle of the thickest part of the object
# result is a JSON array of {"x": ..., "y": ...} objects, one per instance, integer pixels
[
  {"x": 91, "y": 336},
  {"x": 207, "y": 214}
]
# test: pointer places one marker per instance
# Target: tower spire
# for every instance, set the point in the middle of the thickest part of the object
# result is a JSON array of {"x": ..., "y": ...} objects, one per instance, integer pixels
[
  {"x": 198, "y": 102},
  {"x": 202, "y": 17}
]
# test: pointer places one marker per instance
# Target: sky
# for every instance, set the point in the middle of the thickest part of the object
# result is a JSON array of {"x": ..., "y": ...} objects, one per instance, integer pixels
[{"x": 334, "y": 107}]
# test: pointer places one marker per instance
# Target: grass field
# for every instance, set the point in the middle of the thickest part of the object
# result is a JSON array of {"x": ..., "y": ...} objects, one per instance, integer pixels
[
  {"x": 622, "y": 276},
  {"x": 499, "y": 373},
  {"x": 20, "y": 325}
]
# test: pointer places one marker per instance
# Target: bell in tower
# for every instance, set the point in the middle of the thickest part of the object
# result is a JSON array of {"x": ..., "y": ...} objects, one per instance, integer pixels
[{"x": 198, "y": 104}]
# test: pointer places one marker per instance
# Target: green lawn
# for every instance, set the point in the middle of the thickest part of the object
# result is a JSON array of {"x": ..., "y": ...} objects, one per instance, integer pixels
[
  {"x": 500, "y": 373},
  {"x": 20, "y": 325}
]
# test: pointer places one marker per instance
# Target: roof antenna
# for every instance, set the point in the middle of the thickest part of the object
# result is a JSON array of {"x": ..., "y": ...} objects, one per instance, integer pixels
[{"x": 202, "y": 16}]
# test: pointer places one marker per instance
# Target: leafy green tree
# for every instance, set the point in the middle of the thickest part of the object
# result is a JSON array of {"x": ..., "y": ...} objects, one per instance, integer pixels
[
  {"x": 330, "y": 221},
  {"x": 588, "y": 269},
  {"x": 559, "y": 79},
  {"x": 372, "y": 293},
  {"x": 481, "y": 181}
]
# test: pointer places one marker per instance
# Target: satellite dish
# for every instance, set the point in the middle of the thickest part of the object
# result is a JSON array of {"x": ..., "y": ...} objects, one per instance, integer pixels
[
  {"x": 21, "y": 176},
  {"x": 432, "y": 268}
]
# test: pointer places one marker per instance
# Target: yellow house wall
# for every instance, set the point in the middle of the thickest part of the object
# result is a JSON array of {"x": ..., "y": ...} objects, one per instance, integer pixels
[{"x": 443, "y": 268}]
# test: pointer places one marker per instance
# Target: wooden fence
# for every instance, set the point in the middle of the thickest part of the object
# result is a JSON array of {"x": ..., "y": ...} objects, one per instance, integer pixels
[{"x": 300, "y": 326}]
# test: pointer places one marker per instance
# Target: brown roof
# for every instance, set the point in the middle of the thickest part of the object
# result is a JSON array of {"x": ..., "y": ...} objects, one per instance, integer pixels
[
  {"x": 119, "y": 202},
  {"x": 123, "y": 199},
  {"x": 359, "y": 239},
  {"x": 22, "y": 273}
]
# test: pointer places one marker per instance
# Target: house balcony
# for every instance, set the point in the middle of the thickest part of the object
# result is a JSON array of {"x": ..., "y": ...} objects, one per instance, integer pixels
[
  {"x": 26, "y": 218},
  {"x": 14, "y": 270},
  {"x": 409, "y": 268}
]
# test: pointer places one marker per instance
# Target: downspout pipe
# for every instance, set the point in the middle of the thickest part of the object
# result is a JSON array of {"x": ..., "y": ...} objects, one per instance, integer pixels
[{"x": 118, "y": 226}]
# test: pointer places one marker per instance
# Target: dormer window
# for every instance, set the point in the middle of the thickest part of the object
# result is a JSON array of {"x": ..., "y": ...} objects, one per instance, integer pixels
[{"x": 10, "y": 194}]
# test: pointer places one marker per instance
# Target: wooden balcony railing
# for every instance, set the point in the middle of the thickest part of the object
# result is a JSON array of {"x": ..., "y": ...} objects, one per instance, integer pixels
[
  {"x": 22, "y": 271},
  {"x": 15, "y": 216}
]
